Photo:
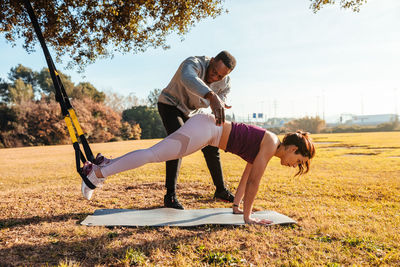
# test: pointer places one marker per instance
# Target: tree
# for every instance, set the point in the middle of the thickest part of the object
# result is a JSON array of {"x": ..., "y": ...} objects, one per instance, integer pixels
[
  {"x": 22, "y": 86},
  {"x": 85, "y": 30},
  {"x": 27, "y": 75},
  {"x": 85, "y": 89},
  {"x": 20, "y": 91},
  {"x": 25, "y": 83},
  {"x": 8, "y": 121},
  {"x": 130, "y": 131},
  {"x": 40, "y": 123},
  {"x": 152, "y": 98},
  {"x": 7, "y": 117},
  {"x": 354, "y": 5},
  {"x": 148, "y": 119},
  {"x": 46, "y": 83},
  {"x": 100, "y": 123},
  {"x": 309, "y": 124},
  {"x": 119, "y": 103},
  {"x": 4, "y": 91}
]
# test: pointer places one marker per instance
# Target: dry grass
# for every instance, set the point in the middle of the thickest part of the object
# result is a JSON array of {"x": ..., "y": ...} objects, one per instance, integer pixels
[{"x": 347, "y": 207}]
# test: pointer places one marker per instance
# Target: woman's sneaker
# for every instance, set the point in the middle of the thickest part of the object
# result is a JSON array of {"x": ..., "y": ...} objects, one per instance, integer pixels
[
  {"x": 101, "y": 161},
  {"x": 90, "y": 169}
]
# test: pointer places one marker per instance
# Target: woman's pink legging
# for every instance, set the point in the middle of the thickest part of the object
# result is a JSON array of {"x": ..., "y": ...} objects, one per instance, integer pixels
[{"x": 198, "y": 132}]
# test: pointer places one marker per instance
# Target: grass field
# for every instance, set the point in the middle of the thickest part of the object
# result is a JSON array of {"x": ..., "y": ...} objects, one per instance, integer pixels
[{"x": 348, "y": 209}]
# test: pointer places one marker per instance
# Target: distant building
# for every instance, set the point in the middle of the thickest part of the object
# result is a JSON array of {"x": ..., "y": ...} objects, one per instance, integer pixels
[
  {"x": 350, "y": 119},
  {"x": 276, "y": 122}
]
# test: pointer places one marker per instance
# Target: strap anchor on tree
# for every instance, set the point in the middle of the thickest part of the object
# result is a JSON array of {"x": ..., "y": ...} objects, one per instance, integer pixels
[{"x": 67, "y": 110}]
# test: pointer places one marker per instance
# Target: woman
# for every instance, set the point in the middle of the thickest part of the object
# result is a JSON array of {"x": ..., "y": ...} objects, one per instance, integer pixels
[{"x": 255, "y": 145}]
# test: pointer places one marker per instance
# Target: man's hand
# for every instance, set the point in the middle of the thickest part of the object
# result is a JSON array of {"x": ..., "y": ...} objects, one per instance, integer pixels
[{"x": 217, "y": 106}]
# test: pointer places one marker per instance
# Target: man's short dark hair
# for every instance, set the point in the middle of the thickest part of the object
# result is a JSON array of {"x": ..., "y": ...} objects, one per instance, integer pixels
[{"x": 227, "y": 58}]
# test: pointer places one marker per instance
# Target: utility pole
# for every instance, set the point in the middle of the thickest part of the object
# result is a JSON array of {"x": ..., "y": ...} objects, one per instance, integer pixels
[
  {"x": 323, "y": 104},
  {"x": 395, "y": 101}
]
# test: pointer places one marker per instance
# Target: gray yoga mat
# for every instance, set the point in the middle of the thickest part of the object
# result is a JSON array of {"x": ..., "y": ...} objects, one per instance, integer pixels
[{"x": 174, "y": 217}]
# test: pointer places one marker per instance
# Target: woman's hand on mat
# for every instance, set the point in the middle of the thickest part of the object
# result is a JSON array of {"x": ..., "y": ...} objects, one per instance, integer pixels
[{"x": 257, "y": 221}]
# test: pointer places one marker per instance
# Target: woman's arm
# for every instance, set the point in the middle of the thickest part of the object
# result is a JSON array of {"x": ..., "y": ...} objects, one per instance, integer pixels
[
  {"x": 267, "y": 150},
  {"x": 241, "y": 188}
]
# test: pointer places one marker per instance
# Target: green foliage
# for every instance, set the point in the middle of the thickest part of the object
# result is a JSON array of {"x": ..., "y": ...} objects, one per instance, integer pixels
[
  {"x": 4, "y": 96},
  {"x": 352, "y": 241},
  {"x": 217, "y": 258},
  {"x": 220, "y": 258},
  {"x": 112, "y": 235},
  {"x": 20, "y": 91},
  {"x": 309, "y": 124},
  {"x": 46, "y": 83},
  {"x": 8, "y": 116},
  {"x": 25, "y": 83},
  {"x": 148, "y": 119},
  {"x": 87, "y": 30},
  {"x": 27, "y": 75},
  {"x": 134, "y": 257},
  {"x": 323, "y": 238},
  {"x": 85, "y": 89},
  {"x": 22, "y": 85},
  {"x": 68, "y": 263}
]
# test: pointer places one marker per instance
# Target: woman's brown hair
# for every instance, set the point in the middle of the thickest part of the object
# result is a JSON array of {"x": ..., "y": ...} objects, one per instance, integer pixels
[{"x": 304, "y": 145}]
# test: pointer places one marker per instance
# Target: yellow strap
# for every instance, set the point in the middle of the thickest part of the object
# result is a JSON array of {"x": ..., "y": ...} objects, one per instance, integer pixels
[
  {"x": 70, "y": 129},
  {"x": 75, "y": 121}
]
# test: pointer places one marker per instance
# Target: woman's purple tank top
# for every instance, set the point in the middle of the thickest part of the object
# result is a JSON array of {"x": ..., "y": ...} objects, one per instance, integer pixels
[{"x": 244, "y": 141}]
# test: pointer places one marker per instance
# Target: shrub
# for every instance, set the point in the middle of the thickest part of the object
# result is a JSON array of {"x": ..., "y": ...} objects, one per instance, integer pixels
[
  {"x": 41, "y": 123},
  {"x": 309, "y": 124}
]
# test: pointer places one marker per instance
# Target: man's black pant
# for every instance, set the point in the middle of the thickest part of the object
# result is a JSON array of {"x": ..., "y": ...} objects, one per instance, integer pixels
[{"x": 173, "y": 119}]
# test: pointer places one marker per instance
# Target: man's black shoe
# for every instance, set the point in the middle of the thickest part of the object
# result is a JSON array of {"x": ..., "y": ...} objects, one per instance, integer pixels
[
  {"x": 224, "y": 195},
  {"x": 170, "y": 201}
]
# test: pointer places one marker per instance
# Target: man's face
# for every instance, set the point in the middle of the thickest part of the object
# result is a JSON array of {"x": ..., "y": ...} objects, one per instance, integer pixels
[{"x": 216, "y": 71}]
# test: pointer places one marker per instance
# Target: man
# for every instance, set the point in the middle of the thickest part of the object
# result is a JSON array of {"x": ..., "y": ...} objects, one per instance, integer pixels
[{"x": 198, "y": 83}]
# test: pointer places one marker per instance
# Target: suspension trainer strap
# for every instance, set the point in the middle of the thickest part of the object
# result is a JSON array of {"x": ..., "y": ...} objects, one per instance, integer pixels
[{"x": 62, "y": 98}]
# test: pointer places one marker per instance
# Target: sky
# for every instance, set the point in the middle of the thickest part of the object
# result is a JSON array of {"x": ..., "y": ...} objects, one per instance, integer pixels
[{"x": 291, "y": 62}]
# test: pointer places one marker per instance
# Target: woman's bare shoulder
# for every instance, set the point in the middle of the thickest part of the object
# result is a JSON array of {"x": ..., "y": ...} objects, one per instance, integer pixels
[
  {"x": 270, "y": 142},
  {"x": 272, "y": 137}
]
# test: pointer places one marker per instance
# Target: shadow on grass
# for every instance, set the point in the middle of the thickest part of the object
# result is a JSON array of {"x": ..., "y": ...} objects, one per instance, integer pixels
[
  {"x": 100, "y": 250},
  {"x": 15, "y": 222}
]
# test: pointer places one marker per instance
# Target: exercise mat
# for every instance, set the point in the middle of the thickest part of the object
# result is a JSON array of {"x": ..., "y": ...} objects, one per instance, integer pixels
[{"x": 174, "y": 217}]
